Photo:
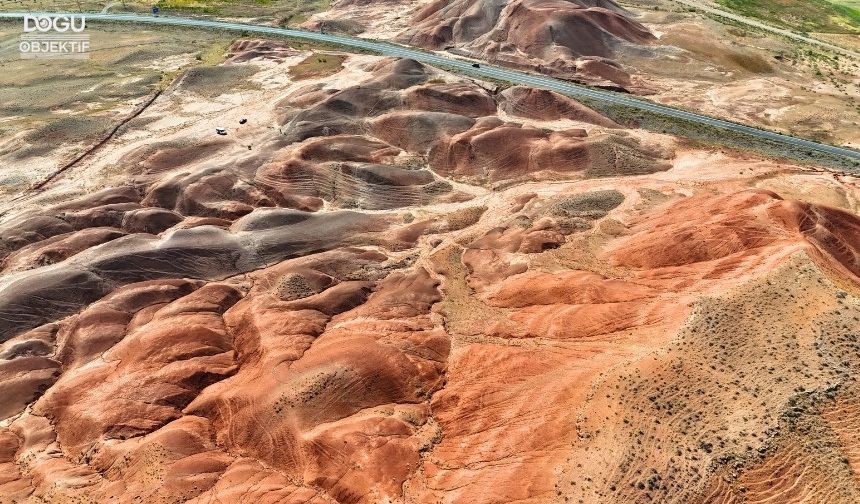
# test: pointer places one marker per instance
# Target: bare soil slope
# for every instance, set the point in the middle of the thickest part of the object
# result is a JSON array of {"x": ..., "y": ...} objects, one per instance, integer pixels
[
  {"x": 564, "y": 36},
  {"x": 392, "y": 284}
]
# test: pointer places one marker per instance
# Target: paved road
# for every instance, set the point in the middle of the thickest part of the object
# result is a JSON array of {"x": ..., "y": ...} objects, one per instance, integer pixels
[
  {"x": 485, "y": 71},
  {"x": 699, "y": 5}
]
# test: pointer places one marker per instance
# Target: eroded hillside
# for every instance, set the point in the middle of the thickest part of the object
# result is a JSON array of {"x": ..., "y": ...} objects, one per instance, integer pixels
[{"x": 394, "y": 284}]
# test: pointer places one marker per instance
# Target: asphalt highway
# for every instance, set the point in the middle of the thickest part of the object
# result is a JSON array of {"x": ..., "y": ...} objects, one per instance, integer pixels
[{"x": 485, "y": 70}]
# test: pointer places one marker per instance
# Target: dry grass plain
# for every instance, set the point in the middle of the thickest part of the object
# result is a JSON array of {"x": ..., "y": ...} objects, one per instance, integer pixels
[
  {"x": 70, "y": 105},
  {"x": 734, "y": 72}
]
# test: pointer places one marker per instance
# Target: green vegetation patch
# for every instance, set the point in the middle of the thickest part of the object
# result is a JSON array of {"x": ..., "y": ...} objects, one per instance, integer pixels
[
  {"x": 293, "y": 12},
  {"x": 69, "y": 129},
  {"x": 848, "y": 3},
  {"x": 216, "y": 80},
  {"x": 214, "y": 6},
  {"x": 317, "y": 65},
  {"x": 801, "y": 15},
  {"x": 286, "y": 11}
]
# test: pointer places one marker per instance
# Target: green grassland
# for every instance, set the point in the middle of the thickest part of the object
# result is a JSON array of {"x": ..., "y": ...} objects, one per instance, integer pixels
[
  {"x": 288, "y": 11},
  {"x": 848, "y": 3},
  {"x": 285, "y": 11},
  {"x": 317, "y": 65},
  {"x": 834, "y": 16}
]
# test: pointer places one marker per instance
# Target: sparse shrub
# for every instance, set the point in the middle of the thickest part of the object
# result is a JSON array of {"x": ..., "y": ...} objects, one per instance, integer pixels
[
  {"x": 590, "y": 205},
  {"x": 437, "y": 187},
  {"x": 464, "y": 217},
  {"x": 293, "y": 286}
]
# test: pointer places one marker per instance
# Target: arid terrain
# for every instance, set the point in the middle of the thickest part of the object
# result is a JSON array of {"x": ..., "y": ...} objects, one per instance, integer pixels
[
  {"x": 659, "y": 48},
  {"x": 388, "y": 283}
]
